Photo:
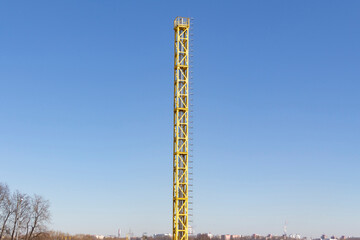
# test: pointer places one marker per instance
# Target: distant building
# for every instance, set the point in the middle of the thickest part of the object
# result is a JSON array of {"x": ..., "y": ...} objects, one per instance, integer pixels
[
  {"x": 162, "y": 235},
  {"x": 295, "y": 236},
  {"x": 226, "y": 237},
  {"x": 324, "y": 237}
]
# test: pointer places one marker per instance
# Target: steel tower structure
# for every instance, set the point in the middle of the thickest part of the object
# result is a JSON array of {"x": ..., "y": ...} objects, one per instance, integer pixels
[{"x": 181, "y": 130}]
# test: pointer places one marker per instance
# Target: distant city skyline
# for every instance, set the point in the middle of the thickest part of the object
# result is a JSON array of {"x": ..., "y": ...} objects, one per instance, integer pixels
[{"x": 86, "y": 91}]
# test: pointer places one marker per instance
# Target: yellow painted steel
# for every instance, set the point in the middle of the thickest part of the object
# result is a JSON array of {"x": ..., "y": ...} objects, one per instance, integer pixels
[{"x": 181, "y": 129}]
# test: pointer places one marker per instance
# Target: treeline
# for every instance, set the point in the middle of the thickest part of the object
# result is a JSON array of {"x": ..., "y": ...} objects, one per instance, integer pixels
[
  {"x": 22, "y": 217},
  {"x": 65, "y": 236},
  {"x": 53, "y": 235}
]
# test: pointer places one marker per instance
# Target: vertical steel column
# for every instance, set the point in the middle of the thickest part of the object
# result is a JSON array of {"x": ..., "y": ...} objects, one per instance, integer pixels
[{"x": 181, "y": 129}]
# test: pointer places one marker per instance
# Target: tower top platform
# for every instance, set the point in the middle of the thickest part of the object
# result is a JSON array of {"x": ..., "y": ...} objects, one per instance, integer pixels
[{"x": 181, "y": 22}]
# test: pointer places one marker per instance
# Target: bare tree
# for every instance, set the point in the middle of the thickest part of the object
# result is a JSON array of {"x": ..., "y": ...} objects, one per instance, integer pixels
[
  {"x": 20, "y": 203},
  {"x": 21, "y": 216},
  {"x": 24, "y": 215},
  {"x": 38, "y": 218},
  {"x": 5, "y": 208},
  {"x": 4, "y": 192}
]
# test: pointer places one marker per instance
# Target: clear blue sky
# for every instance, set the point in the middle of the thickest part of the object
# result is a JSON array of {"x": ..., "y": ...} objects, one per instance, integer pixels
[{"x": 86, "y": 90}]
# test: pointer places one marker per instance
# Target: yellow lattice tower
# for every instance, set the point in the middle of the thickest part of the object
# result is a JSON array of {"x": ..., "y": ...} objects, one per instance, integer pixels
[{"x": 181, "y": 130}]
